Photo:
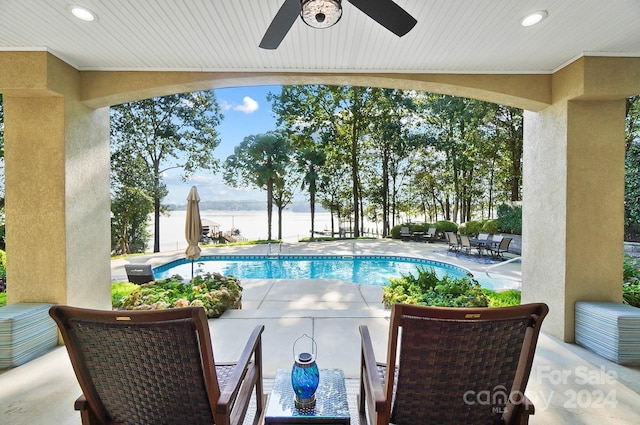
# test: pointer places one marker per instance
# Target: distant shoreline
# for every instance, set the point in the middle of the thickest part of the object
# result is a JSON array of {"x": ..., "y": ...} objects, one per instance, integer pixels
[{"x": 247, "y": 205}]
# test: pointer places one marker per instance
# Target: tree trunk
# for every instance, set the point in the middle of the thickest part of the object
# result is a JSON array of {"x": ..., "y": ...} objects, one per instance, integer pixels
[
  {"x": 269, "y": 206},
  {"x": 156, "y": 224},
  {"x": 312, "y": 207},
  {"x": 385, "y": 193},
  {"x": 354, "y": 161},
  {"x": 280, "y": 208}
]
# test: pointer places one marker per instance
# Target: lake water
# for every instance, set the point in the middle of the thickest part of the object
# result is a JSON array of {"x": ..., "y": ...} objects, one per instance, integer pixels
[{"x": 252, "y": 225}]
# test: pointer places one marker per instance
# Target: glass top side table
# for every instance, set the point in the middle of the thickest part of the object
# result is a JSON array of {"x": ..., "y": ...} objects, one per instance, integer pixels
[{"x": 331, "y": 401}]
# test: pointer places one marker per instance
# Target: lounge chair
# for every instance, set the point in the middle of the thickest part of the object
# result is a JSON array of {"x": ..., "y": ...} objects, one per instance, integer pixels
[
  {"x": 502, "y": 247},
  {"x": 153, "y": 367},
  {"x": 454, "y": 366},
  {"x": 405, "y": 233}
]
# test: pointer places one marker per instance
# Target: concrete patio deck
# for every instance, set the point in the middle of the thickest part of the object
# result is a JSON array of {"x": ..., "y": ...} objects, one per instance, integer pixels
[{"x": 568, "y": 384}]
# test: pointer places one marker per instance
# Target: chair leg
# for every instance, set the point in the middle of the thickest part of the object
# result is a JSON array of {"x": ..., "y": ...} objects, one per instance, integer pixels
[{"x": 362, "y": 415}]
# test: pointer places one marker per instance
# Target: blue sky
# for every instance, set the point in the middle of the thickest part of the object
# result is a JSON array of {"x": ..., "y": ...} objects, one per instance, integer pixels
[{"x": 246, "y": 111}]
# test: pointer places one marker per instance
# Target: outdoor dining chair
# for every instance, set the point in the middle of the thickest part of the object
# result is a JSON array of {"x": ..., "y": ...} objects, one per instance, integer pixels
[
  {"x": 453, "y": 366},
  {"x": 465, "y": 244},
  {"x": 452, "y": 241},
  {"x": 430, "y": 236},
  {"x": 157, "y": 367},
  {"x": 405, "y": 233},
  {"x": 501, "y": 248}
]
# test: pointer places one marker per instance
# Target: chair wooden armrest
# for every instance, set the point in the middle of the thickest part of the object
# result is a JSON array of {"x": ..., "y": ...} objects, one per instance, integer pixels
[
  {"x": 87, "y": 415},
  {"x": 518, "y": 413},
  {"x": 246, "y": 374},
  {"x": 526, "y": 409},
  {"x": 371, "y": 387}
]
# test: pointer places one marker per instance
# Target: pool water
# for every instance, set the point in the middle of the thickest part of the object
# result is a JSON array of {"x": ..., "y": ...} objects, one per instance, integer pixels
[{"x": 368, "y": 270}]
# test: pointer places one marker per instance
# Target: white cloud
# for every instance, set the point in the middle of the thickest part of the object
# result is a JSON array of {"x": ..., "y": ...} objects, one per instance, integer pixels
[{"x": 248, "y": 106}]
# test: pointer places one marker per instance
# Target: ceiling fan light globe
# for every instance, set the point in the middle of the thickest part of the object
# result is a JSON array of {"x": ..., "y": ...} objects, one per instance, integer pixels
[{"x": 321, "y": 13}]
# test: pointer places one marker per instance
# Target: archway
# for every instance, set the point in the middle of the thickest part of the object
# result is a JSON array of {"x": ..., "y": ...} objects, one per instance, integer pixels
[{"x": 57, "y": 130}]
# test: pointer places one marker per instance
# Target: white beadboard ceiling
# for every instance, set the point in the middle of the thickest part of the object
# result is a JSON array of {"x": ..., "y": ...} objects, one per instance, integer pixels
[{"x": 458, "y": 36}]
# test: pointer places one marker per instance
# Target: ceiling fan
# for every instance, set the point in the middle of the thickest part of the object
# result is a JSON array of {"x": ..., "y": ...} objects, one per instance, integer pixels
[{"x": 325, "y": 13}]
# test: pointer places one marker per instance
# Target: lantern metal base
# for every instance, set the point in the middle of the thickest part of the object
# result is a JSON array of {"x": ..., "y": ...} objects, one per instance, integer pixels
[{"x": 305, "y": 404}]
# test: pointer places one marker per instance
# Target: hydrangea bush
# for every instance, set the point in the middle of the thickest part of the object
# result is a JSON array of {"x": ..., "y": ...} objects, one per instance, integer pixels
[{"x": 213, "y": 291}]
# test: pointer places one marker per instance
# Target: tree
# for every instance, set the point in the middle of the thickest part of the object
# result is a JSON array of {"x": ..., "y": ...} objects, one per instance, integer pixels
[
  {"x": 130, "y": 210},
  {"x": 163, "y": 133},
  {"x": 632, "y": 170},
  {"x": 390, "y": 125},
  {"x": 376, "y": 137},
  {"x": 310, "y": 160},
  {"x": 480, "y": 145},
  {"x": 260, "y": 161},
  {"x": 283, "y": 191},
  {"x": 509, "y": 122},
  {"x": 302, "y": 113}
]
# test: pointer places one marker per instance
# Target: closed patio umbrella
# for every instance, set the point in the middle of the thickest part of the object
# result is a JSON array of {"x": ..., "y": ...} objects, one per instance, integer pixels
[{"x": 193, "y": 227}]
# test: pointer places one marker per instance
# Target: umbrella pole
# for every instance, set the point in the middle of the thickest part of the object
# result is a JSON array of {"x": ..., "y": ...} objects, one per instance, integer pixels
[{"x": 192, "y": 269}]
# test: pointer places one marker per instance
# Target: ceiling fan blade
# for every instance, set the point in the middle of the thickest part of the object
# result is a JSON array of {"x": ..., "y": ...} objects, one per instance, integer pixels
[
  {"x": 388, "y": 14},
  {"x": 282, "y": 22}
]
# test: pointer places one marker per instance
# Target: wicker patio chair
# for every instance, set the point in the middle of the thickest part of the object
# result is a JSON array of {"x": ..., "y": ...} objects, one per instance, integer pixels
[
  {"x": 157, "y": 367},
  {"x": 454, "y": 366}
]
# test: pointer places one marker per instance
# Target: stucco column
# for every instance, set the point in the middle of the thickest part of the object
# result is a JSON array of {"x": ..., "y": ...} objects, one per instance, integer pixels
[
  {"x": 57, "y": 192},
  {"x": 573, "y": 207}
]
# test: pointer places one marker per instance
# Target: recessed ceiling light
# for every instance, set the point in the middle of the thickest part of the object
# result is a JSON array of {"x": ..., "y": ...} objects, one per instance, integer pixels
[
  {"x": 533, "y": 18},
  {"x": 82, "y": 13}
]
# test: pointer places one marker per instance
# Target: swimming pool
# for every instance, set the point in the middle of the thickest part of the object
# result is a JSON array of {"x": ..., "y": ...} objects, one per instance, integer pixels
[{"x": 369, "y": 270}]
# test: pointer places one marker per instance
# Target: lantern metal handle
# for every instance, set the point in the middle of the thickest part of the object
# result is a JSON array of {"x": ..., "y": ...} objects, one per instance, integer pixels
[{"x": 314, "y": 346}]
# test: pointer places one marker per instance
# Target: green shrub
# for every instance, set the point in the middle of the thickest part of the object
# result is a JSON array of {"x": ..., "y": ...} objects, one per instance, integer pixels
[
  {"x": 491, "y": 227},
  {"x": 503, "y": 298},
  {"x": 631, "y": 281},
  {"x": 428, "y": 289},
  {"x": 471, "y": 228},
  {"x": 413, "y": 227},
  {"x": 446, "y": 226},
  {"x": 395, "y": 232},
  {"x": 119, "y": 290},
  {"x": 420, "y": 227},
  {"x": 3, "y": 258},
  {"x": 510, "y": 219},
  {"x": 3, "y": 299},
  {"x": 213, "y": 291}
]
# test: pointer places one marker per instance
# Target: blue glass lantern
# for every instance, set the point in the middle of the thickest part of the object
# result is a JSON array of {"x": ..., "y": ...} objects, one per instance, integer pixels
[{"x": 305, "y": 376}]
